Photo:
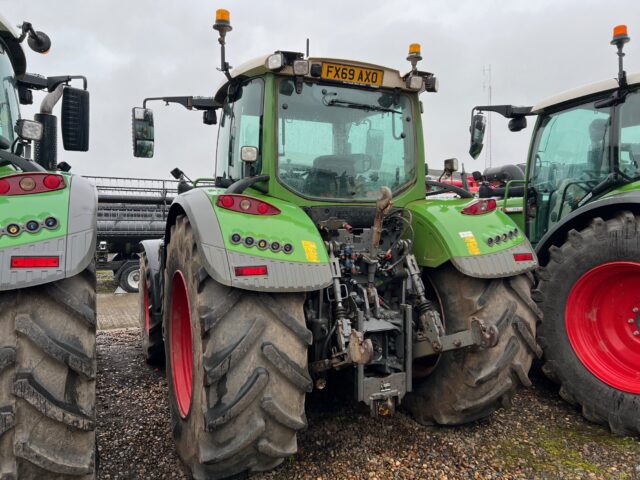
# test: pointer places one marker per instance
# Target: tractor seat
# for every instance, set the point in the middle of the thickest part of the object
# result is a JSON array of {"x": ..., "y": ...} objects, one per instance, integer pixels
[
  {"x": 339, "y": 164},
  {"x": 332, "y": 175}
]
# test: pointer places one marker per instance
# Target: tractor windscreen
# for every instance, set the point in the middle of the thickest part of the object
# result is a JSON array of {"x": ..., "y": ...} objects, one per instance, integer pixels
[
  {"x": 629, "y": 162},
  {"x": 572, "y": 152},
  {"x": 9, "y": 106},
  {"x": 572, "y": 156},
  {"x": 344, "y": 143}
]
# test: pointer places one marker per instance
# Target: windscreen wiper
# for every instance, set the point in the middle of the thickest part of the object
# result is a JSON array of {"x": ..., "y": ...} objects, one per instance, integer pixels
[{"x": 360, "y": 106}]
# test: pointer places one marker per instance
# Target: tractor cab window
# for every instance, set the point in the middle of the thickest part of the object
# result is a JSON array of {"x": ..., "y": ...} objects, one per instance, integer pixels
[
  {"x": 240, "y": 126},
  {"x": 344, "y": 143},
  {"x": 9, "y": 106},
  {"x": 571, "y": 156},
  {"x": 629, "y": 161}
]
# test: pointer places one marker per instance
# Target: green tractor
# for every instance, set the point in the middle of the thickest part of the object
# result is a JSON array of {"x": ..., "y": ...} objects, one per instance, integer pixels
[
  {"x": 579, "y": 204},
  {"x": 313, "y": 260},
  {"x": 47, "y": 276}
]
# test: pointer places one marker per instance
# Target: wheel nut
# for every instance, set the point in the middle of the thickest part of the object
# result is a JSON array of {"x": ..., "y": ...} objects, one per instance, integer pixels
[
  {"x": 631, "y": 320},
  {"x": 634, "y": 309},
  {"x": 636, "y": 333}
]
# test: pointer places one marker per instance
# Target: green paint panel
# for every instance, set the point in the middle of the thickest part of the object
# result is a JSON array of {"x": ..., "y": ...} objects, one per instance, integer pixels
[
  {"x": 291, "y": 226},
  {"x": 514, "y": 207},
  {"x": 22, "y": 208},
  {"x": 442, "y": 231},
  {"x": 629, "y": 187}
]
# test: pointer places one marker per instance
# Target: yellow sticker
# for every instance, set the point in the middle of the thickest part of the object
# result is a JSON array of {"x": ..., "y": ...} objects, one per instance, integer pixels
[
  {"x": 472, "y": 245},
  {"x": 310, "y": 250}
]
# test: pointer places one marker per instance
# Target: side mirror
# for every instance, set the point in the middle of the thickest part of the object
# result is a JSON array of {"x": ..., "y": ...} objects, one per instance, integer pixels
[
  {"x": 517, "y": 123},
  {"x": 426, "y": 168},
  {"x": 451, "y": 165},
  {"x": 478, "y": 125},
  {"x": 29, "y": 130},
  {"x": 75, "y": 119},
  {"x": 209, "y": 117},
  {"x": 249, "y": 154},
  {"x": 39, "y": 42},
  {"x": 142, "y": 129}
]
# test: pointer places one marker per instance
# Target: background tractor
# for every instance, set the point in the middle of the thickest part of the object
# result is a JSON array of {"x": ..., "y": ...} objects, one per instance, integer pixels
[
  {"x": 315, "y": 259},
  {"x": 47, "y": 276},
  {"x": 579, "y": 204}
]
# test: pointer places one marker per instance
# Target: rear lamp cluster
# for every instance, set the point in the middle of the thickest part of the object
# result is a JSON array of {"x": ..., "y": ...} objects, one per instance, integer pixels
[
  {"x": 498, "y": 239},
  {"x": 32, "y": 226},
  {"x": 480, "y": 206},
  {"x": 27, "y": 183},
  {"x": 261, "y": 244},
  {"x": 245, "y": 204}
]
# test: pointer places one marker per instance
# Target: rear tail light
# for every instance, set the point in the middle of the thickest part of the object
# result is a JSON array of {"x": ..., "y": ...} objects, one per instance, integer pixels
[
  {"x": 245, "y": 204},
  {"x": 52, "y": 182},
  {"x": 523, "y": 257},
  {"x": 259, "y": 270},
  {"x": 480, "y": 206},
  {"x": 27, "y": 183},
  {"x": 35, "y": 262}
]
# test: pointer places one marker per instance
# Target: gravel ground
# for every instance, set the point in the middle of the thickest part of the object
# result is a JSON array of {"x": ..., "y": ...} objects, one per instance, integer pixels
[{"x": 541, "y": 437}]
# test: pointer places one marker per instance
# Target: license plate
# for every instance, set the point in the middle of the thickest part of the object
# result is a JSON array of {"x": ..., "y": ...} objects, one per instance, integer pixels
[{"x": 349, "y": 74}]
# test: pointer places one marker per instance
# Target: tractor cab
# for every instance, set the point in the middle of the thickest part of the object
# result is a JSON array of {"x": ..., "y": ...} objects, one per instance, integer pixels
[
  {"x": 585, "y": 144},
  {"x": 313, "y": 129}
]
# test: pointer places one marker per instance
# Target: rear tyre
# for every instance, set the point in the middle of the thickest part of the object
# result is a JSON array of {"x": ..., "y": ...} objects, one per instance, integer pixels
[
  {"x": 47, "y": 380},
  {"x": 595, "y": 357},
  {"x": 470, "y": 384},
  {"x": 150, "y": 318},
  {"x": 129, "y": 277},
  {"x": 236, "y": 367}
]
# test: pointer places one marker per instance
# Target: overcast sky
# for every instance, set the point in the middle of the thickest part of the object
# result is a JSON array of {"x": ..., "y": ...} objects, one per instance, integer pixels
[{"x": 135, "y": 49}]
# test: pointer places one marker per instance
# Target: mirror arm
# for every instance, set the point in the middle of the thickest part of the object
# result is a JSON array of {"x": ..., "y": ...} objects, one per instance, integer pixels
[
  {"x": 507, "y": 111},
  {"x": 188, "y": 102},
  {"x": 39, "y": 82}
]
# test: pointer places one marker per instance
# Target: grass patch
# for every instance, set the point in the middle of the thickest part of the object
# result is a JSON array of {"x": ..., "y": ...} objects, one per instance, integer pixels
[{"x": 558, "y": 451}]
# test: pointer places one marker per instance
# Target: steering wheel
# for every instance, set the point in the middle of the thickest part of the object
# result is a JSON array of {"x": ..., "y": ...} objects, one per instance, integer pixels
[{"x": 446, "y": 187}]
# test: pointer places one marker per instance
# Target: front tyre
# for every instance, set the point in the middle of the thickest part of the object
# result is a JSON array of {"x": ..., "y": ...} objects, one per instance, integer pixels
[
  {"x": 47, "y": 380},
  {"x": 469, "y": 384},
  {"x": 236, "y": 367},
  {"x": 590, "y": 295}
]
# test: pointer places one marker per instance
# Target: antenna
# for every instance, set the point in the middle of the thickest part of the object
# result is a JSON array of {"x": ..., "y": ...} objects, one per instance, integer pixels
[
  {"x": 307, "y": 48},
  {"x": 486, "y": 86}
]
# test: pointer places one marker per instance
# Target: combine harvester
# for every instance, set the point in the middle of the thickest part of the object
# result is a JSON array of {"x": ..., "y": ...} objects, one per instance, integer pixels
[
  {"x": 130, "y": 210},
  {"x": 316, "y": 258}
]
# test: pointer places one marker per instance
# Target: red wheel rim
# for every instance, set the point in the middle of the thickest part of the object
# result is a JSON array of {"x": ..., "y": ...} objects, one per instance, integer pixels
[
  {"x": 181, "y": 345},
  {"x": 146, "y": 306},
  {"x": 602, "y": 318}
]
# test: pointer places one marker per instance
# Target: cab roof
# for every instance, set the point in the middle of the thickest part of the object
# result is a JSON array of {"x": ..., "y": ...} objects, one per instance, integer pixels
[
  {"x": 10, "y": 36},
  {"x": 583, "y": 91},
  {"x": 257, "y": 66}
]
